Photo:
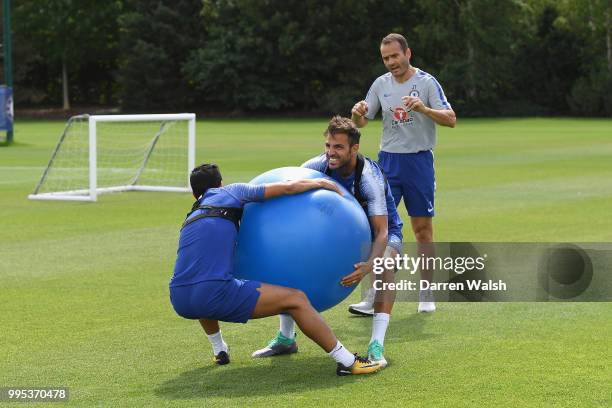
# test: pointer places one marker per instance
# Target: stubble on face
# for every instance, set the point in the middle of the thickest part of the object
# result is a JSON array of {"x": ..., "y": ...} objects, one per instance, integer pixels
[{"x": 338, "y": 150}]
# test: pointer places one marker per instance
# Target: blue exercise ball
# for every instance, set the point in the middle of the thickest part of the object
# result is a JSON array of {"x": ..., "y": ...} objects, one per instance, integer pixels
[{"x": 307, "y": 241}]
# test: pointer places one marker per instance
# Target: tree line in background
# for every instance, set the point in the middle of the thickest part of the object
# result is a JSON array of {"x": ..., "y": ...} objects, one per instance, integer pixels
[{"x": 494, "y": 58}]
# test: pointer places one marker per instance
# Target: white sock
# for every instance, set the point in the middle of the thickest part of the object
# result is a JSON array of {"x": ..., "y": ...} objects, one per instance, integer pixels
[
  {"x": 342, "y": 355},
  {"x": 217, "y": 342},
  {"x": 380, "y": 322},
  {"x": 287, "y": 326}
]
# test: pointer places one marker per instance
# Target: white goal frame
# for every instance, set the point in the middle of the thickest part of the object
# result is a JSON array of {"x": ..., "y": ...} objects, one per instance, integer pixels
[{"x": 93, "y": 191}]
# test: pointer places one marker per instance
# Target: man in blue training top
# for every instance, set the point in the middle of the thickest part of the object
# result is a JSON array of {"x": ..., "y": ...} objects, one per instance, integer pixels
[
  {"x": 203, "y": 287},
  {"x": 412, "y": 103},
  {"x": 365, "y": 180}
]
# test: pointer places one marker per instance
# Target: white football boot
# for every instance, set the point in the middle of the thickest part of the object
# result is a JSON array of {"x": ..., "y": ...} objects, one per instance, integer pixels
[
  {"x": 426, "y": 302},
  {"x": 366, "y": 306}
]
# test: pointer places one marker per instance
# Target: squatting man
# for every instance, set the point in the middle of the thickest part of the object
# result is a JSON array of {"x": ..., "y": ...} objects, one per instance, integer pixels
[{"x": 203, "y": 287}]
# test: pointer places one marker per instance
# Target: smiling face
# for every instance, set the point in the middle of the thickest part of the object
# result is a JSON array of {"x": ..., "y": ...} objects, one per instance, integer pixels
[
  {"x": 395, "y": 59},
  {"x": 339, "y": 152}
]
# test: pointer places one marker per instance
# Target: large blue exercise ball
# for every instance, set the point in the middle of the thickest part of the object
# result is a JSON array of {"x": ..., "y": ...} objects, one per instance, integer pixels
[{"x": 307, "y": 241}]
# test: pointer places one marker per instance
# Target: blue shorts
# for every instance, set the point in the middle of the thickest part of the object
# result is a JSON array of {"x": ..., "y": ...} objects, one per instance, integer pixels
[
  {"x": 228, "y": 301},
  {"x": 411, "y": 176}
]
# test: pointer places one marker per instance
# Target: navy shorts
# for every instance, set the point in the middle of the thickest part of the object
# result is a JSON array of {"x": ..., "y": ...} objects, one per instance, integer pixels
[
  {"x": 411, "y": 176},
  {"x": 228, "y": 301}
]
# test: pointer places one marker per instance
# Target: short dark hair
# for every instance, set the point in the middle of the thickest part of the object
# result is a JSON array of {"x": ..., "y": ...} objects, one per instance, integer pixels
[
  {"x": 204, "y": 177},
  {"x": 389, "y": 38},
  {"x": 338, "y": 124}
]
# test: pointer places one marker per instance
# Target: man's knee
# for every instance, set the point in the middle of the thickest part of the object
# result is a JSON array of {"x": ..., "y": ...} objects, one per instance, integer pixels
[
  {"x": 423, "y": 231},
  {"x": 423, "y": 235},
  {"x": 295, "y": 298}
]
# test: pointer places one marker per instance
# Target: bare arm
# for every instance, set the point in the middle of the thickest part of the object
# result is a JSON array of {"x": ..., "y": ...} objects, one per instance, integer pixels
[
  {"x": 380, "y": 227},
  {"x": 443, "y": 117},
  {"x": 298, "y": 186},
  {"x": 358, "y": 114}
]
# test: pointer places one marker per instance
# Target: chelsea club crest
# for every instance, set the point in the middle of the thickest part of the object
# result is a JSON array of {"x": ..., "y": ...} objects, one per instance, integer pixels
[{"x": 414, "y": 92}]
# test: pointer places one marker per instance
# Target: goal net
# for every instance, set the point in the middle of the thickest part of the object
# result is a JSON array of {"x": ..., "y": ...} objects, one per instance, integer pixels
[{"x": 109, "y": 153}]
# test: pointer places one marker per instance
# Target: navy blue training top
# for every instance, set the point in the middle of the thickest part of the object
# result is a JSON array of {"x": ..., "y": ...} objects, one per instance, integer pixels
[{"x": 206, "y": 246}]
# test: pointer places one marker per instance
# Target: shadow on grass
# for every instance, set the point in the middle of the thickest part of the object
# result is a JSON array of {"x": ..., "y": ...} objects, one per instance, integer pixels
[
  {"x": 404, "y": 328},
  {"x": 410, "y": 327},
  {"x": 266, "y": 377},
  {"x": 4, "y": 143}
]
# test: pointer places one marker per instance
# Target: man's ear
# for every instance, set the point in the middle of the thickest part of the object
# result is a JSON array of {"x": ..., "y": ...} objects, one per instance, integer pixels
[{"x": 355, "y": 148}]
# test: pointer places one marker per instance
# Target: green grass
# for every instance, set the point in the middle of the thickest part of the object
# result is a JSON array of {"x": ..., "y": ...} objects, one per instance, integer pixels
[{"x": 84, "y": 299}]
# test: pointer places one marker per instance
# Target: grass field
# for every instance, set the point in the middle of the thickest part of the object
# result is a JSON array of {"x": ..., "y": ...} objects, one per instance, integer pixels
[{"x": 84, "y": 298}]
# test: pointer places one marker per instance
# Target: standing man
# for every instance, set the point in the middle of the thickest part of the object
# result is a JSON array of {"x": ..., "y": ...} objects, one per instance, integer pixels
[
  {"x": 412, "y": 103},
  {"x": 365, "y": 180}
]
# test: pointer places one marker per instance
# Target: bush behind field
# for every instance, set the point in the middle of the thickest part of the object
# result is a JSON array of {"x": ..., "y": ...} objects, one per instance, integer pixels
[{"x": 510, "y": 58}]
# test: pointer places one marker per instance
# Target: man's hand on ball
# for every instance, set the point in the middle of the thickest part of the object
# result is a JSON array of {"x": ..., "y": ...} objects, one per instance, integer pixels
[
  {"x": 361, "y": 270},
  {"x": 360, "y": 109},
  {"x": 329, "y": 185},
  {"x": 414, "y": 103}
]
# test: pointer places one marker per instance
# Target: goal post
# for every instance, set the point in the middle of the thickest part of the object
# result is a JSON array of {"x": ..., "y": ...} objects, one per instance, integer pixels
[{"x": 111, "y": 153}]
